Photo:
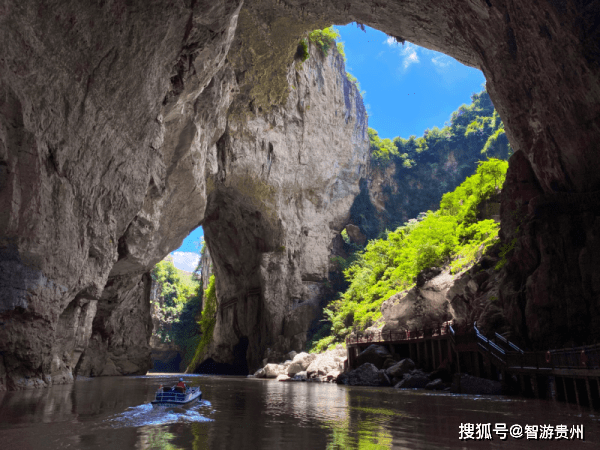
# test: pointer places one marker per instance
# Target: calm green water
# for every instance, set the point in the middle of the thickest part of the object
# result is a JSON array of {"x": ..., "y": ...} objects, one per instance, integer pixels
[{"x": 239, "y": 413}]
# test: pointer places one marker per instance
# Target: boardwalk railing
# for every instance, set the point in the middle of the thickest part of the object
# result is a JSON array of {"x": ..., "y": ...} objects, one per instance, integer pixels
[
  {"x": 587, "y": 357},
  {"x": 396, "y": 336},
  {"x": 498, "y": 348},
  {"x": 490, "y": 347}
]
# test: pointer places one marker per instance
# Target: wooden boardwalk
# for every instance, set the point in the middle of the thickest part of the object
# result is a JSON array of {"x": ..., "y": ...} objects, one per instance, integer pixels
[{"x": 569, "y": 374}]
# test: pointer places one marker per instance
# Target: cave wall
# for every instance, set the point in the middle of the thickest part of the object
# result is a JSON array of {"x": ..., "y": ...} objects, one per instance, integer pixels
[
  {"x": 541, "y": 61},
  {"x": 106, "y": 111},
  {"x": 111, "y": 118}
]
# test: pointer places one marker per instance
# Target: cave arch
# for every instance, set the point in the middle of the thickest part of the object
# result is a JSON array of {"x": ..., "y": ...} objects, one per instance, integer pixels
[{"x": 115, "y": 138}]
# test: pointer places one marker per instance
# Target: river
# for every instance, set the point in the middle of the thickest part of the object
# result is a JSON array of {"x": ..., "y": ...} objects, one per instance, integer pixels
[{"x": 239, "y": 413}]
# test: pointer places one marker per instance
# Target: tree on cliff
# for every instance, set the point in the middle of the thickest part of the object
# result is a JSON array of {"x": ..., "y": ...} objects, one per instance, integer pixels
[
  {"x": 453, "y": 235},
  {"x": 414, "y": 173}
]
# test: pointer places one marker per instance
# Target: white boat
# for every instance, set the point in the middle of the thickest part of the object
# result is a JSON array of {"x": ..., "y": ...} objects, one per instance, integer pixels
[{"x": 173, "y": 397}]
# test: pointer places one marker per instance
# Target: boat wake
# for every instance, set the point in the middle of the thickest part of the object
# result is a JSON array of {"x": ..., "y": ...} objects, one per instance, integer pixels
[{"x": 146, "y": 414}]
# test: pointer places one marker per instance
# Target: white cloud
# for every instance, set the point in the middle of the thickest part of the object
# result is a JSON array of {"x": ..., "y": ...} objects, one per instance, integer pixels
[
  {"x": 185, "y": 260},
  {"x": 408, "y": 52},
  {"x": 442, "y": 62},
  {"x": 410, "y": 56}
]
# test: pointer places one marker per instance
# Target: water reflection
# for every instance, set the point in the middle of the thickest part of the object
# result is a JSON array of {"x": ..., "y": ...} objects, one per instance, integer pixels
[
  {"x": 305, "y": 402},
  {"x": 255, "y": 414}
]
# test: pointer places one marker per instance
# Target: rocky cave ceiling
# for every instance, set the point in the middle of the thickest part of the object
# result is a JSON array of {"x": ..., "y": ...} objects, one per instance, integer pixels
[{"x": 111, "y": 114}]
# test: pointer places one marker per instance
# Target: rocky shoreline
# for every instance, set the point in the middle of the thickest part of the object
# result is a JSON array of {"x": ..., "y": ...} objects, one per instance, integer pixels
[
  {"x": 321, "y": 367},
  {"x": 377, "y": 367}
]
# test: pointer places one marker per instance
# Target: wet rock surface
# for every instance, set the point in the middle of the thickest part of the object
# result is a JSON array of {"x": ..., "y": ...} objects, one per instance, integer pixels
[
  {"x": 467, "y": 384},
  {"x": 399, "y": 369},
  {"x": 415, "y": 379}
]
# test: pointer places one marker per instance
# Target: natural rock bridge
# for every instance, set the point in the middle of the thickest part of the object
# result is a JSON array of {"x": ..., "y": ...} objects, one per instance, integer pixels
[
  {"x": 570, "y": 374},
  {"x": 126, "y": 124}
]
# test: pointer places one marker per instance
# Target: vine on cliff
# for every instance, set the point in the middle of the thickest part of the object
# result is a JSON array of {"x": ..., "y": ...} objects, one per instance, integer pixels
[{"x": 207, "y": 321}]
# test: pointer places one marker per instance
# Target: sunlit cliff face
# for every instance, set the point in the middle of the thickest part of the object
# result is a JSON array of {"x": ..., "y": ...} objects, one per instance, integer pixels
[{"x": 111, "y": 118}]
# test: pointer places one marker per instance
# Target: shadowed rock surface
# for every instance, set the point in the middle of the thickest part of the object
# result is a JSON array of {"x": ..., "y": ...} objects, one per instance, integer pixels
[
  {"x": 124, "y": 125},
  {"x": 365, "y": 375},
  {"x": 467, "y": 384}
]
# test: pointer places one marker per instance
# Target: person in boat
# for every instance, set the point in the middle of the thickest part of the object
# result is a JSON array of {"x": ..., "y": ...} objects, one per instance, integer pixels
[{"x": 181, "y": 387}]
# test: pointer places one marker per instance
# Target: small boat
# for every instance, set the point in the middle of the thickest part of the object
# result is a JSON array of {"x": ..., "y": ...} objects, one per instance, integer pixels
[{"x": 174, "y": 397}]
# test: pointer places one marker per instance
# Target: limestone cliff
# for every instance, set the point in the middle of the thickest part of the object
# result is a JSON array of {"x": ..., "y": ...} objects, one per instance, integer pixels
[
  {"x": 113, "y": 118},
  {"x": 400, "y": 186},
  {"x": 107, "y": 113},
  {"x": 283, "y": 187}
]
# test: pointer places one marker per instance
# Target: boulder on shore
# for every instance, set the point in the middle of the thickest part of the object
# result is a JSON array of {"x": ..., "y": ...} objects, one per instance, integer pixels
[
  {"x": 413, "y": 380},
  {"x": 366, "y": 375},
  {"x": 467, "y": 384},
  {"x": 327, "y": 362},
  {"x": 374, "y": 354},
  {"x": 399, "y": 369},
  {"x": 274, "y": 370},
  {"x": 300, "y": 376},
  {"x": 333, "y": 375},
  {"x": 436, "y": 385},
  {"x": 300, "y": 362}
]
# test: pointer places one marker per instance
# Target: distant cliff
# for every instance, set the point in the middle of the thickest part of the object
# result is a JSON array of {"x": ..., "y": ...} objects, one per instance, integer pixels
[{"x": 409, "y": 176}]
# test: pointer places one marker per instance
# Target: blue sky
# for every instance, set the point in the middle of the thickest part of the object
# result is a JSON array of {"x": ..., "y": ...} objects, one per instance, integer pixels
[{"x": 407, "y": 90}]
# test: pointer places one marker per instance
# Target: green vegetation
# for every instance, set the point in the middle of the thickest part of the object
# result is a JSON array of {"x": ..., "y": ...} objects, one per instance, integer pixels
[
  {"x": 451, "y": 235},
  {"x": 341, "y": 50},
  {"x": 207, "y": 321},
  {"x": 178, "y": 307},
  {"x": 302, "y": 50},
  {"x": 472, "y": 128},
  {"x": 506, "y": 251},
  {"x": 176, "y": 288},
  {"x": 325, "y": 38},
  {"x": 419, "y": 170}
]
